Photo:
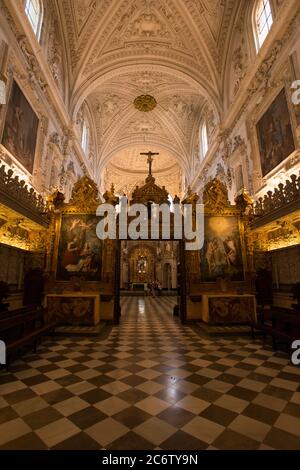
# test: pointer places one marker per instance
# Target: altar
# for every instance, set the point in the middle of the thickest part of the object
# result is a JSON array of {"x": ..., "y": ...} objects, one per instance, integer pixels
[
  {"x": 220, "y": 278},
  {"x": 74, "y": 308},
  {"x": 217, "y": 309},
  {"x": 139, "y": 286}
]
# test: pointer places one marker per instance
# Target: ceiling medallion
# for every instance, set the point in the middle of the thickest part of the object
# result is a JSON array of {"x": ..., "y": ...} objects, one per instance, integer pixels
[{"x": 145, "y": 103}]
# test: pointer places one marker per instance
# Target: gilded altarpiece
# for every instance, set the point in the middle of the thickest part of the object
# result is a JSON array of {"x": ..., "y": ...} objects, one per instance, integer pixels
[
  {"x": 79, "y": 264},
  {"x": 223, "y": 267}
]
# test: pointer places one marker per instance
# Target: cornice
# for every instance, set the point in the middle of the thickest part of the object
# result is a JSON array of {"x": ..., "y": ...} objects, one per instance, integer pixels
[{"x": 142, "y": 172}]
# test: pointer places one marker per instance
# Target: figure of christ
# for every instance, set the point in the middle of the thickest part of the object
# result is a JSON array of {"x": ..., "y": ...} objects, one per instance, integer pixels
[{"x": 150, "y": 156}]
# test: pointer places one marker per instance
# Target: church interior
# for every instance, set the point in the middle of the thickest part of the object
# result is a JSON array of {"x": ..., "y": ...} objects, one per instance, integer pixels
[{"x": 115, "y": 343}]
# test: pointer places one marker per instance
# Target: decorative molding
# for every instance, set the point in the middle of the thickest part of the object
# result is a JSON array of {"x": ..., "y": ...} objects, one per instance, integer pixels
[
  {"x": 19, "y": 233},
  {"x": 280, "y": 197},
  {"x": 150, "y": 192},
  {"x": 145, "y": 103},
  {"x": 16, "y": 194},
  {"x": 215, "y": 197},
  {"x": 85, "y": 196}
]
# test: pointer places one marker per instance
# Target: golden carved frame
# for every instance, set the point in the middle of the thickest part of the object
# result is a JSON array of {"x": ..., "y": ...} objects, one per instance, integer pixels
[
  {"x": 84, "y": 201},
  {"x": 216, "y": 203}
]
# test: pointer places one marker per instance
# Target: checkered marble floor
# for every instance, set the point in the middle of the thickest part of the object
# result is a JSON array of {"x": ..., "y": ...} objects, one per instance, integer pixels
[{"x": 151, "y": 384}]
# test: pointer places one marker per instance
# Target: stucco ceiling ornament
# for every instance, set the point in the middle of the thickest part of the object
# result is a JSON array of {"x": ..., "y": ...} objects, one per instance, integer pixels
[
  {"x": 147, "y": 25},
  {"x": 84, "y": 9},
  {"x": 146, "y": 79},
  {"x": 145, "y": 103}
]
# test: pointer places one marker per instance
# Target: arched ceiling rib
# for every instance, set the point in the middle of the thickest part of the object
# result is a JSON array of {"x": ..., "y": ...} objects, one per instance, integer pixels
[
  {"x": 171, "y": 49},
  {"x": 198, "y": 28},
  {"x": 171, "y": 122}
]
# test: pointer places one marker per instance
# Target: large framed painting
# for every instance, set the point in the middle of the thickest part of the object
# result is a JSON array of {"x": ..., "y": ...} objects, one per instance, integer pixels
[
  {"x": 275, "y": 135},
  {"x": 20, "y": 128},
  {"x": 79, "y": 249},
  {"x": 221, "y": 255}
]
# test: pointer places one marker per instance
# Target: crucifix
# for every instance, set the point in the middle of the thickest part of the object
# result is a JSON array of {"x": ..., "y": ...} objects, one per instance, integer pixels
[{"x": 150, "y": 156}]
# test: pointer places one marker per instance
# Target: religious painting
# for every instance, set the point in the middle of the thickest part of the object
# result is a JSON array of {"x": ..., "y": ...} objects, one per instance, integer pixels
[
  {"x": 20, "y": 128},
  {"x": 79, "y": 250},
  {"x": 221, "y": 255},
  {"x": 275, "y": 135}
]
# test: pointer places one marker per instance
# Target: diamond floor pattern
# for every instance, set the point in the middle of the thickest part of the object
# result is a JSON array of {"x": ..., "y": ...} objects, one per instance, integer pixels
[{"x": 151, "y": 384}]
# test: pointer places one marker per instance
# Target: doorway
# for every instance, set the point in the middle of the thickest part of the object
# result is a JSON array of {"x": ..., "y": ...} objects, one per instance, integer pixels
[{"x": 152, "y": 272}]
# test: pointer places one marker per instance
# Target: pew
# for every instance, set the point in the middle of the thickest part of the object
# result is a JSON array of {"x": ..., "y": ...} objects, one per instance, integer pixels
[
  {"x": 22, "y": 310},
  {"x": 287, "y": 328},
  {"x": 22, "y": 329},
  {"x": 281, "y": 324}
]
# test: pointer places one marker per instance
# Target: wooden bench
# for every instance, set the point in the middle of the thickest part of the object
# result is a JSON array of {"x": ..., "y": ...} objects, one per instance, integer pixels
[
  {"x": 263, "y": 323},
  {"x": 281, "y": 324},
  {"x": 24, "y": 329},
  {"x": 286, "y": 328},
  {"x": 18, "y": 311}
]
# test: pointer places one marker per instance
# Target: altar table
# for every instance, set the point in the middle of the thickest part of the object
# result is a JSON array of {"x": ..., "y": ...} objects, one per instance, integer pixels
[
  {"x": 74, "y": 308},
  {"x": 228, "y": 308}
]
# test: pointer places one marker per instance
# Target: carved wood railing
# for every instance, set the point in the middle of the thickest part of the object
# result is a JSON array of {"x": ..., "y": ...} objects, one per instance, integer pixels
[
  {"x": 280, "y": 197},
  {"x": 16, "y": 194}
]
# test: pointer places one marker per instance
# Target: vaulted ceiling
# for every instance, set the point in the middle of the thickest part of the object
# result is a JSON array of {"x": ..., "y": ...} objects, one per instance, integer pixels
[
  {"x": 170, "y": 49},
  {"x": 170, "y": 125}
]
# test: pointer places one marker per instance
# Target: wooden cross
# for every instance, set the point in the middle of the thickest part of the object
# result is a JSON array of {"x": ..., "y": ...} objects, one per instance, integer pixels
[{"x": 150, "y": 156}]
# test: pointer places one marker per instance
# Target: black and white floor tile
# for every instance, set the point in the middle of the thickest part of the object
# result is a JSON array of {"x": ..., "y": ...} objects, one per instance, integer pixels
[{"x": 151, "y": 384}]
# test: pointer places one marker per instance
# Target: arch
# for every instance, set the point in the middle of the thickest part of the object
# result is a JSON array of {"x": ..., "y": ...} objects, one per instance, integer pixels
[
  {"x": 85, "y": 137},
  {"x": 241, "y": 25},
  {"x": 199, "y": 83},
  {"x": 192, "y": 35},
  {"x": 86, "y": 129},
  {"x": 176, "y": 145},
  {"x": 203, "y": 139},
  {"x": 174, "y": 131},
  {"x": 65, "y": 62},
  {"x": 34, "y": 10}
]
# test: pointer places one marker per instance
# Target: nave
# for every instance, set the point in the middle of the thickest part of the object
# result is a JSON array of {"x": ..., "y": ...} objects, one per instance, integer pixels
[{"x": 150, "y": 383}]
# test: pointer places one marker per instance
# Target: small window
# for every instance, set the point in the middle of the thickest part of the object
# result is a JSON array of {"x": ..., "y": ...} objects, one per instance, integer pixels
[
  {"x": 85, "y": 138},
  {"x": 2, "y": 92},
  {"x": 263, "y": 21},
  {"x": 203, "y": 140},
  {"x": 34, "y": 13}
]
